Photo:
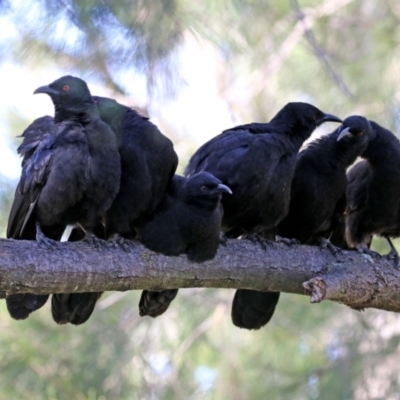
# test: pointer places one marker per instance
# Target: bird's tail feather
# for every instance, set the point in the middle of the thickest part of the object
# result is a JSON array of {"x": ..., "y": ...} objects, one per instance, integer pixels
[
  {"x": 252, "y": 309},
  {"x": 154, "y": 304},
  {"x": 21, "y": 305},
  {"x": 75, "y": 308}
]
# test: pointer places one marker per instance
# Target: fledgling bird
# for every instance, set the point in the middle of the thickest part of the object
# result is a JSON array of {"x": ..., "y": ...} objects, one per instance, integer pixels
[
  {"x": 188, "y": 221},
  {"x": 257, "y": 162},
  {"x": 373, "y": 192},
  {"x": 70, "y": 175},
  {"x": 148, "y": 163},
  {"x": 318, "y": 196}
]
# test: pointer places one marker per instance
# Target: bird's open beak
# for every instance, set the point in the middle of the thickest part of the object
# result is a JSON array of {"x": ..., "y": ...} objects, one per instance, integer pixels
[
  {"x": 343, "y": 133},
  {"x": 329, "y": 117},
  {"x": 224, "y": 189},
  {"x": 45, "y": 89}
]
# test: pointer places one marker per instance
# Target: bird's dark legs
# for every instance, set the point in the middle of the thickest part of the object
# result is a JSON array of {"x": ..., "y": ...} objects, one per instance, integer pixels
[
  {"x": 364, "y": 249},
  {"x": 393, "y": 254},
  {"x": 92, "y": 239},
  {"x": 256, "y": 238},
  {"x": 117, "y": 240},
  {"x": 326, "y": 244},
  {"x": 287, "y": 241},
  {"x": 44, "y": 241},
  {"x": 223, "y": 240}
]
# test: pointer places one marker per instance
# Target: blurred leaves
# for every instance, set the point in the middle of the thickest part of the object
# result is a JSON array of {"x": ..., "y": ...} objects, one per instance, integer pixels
[{"x": 277, "y": 46}]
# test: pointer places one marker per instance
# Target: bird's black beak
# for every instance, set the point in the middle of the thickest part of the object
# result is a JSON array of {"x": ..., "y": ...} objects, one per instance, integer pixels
[
  {"x": 327, "y": 118},
  {"x": 224, "y": 189},
  {"x": 45, "y": 89},
  {"x": 343, "y": 133}
]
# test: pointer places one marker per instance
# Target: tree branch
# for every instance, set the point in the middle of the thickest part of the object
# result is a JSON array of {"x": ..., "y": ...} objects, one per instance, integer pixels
[{"x": 354, "y": 279}]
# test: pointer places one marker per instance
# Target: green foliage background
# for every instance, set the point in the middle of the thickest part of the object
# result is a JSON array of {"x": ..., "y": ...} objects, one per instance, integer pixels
[{"x": 341, "y": 55}]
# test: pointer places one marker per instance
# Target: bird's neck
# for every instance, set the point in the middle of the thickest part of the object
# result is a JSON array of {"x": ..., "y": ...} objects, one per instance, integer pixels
[
  {"x": 82, "y": 112},
  {"x": 296, "y": 132},
  {"x": 382, "y": 149},
  {"x": 342, "y": 153},
  {"x": 206, "y": 203}
]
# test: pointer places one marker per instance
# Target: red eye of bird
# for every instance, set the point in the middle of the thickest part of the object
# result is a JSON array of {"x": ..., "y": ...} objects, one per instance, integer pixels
[
  {"x": 360, "y": 133},
  {"x": 65, "y": 88}
]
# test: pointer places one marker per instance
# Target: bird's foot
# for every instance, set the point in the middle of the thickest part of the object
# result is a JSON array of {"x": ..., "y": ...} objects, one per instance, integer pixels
[
  {"x": 258, "y": 239},
  {"x": 287, "y": 241},
  {"x": 394, "y": 255},
  {"x": 117, "y": 241},
  {"x": 45, "y": 242},
  {"x": 363, "y": 249},
  {"x": 326, "y": 244},
  {"x": 223, "y": 240},
  {"x": 94, "y": 241}
]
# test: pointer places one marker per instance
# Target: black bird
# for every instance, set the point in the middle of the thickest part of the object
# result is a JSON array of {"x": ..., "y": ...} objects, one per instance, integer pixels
[
  {"x": 70, "y": 175},
  {"x": 318, "y": 195},
  {"x": 148, "y": 163},
  {"x": 257, "y": 162},
  {"x": 373, "y": 192},
  {"x": 187, "y": 221}
]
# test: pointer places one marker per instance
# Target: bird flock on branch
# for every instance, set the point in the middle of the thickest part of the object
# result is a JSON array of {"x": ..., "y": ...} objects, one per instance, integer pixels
[{"x": 100, "y": 172}]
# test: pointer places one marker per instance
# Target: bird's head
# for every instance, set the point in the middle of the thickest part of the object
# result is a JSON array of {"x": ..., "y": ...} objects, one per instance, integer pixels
[
  {"x": 355, "y": 130},
  {"x": 309, "y": 115},
  {"x": 68, "y": 93},
  {"x": 302, "y": 118},
  {"x": 203, "y": 186}
]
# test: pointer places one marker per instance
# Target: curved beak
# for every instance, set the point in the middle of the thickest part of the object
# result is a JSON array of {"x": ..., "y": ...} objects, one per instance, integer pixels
[
  {"x": 224, "y": 189},
  {"x": 329, "y": 117},
  {"x": 343, "y": 133},
  {"x": 45, "y": 89}
]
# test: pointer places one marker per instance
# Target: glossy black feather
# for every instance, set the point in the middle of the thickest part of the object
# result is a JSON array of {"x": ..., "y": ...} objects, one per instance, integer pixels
[{"x": 148, "y": 163}]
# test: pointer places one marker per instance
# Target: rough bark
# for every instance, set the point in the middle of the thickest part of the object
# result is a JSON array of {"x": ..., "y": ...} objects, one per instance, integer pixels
[{"x": 351, "y": 278}]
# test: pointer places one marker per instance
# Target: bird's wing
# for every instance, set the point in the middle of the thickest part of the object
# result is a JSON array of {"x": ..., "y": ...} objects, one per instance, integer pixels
[
  {"x": 337, "y": 234},
  {"x": 357, "y": 187},
  {"x": 235, "y": 157},
  {"x": 34, "y": 175},
  {"x": 34, "y": 134},
  {"x": 253, "y": 128},
  {"x": 219, "y": 146}
]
